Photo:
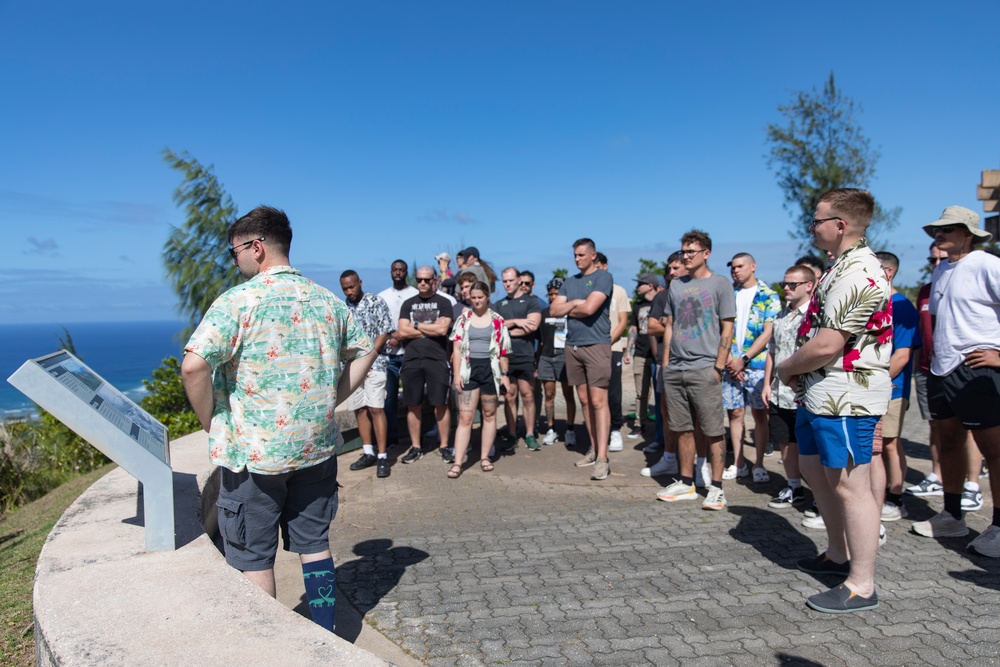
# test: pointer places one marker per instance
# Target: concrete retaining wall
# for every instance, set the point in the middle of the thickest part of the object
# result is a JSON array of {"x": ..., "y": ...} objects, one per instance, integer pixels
[{"x": 99, "y": 599}]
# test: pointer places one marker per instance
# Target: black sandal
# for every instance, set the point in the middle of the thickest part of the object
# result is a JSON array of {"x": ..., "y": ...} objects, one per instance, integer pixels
[
  {"x": 455, "y": 471},
  {"x": 486, "y": 465}
]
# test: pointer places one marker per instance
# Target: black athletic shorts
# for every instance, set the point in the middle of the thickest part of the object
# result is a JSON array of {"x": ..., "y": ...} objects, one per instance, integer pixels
[
  {"x": 416, "y": 374},
  {"x": 481, "y": 377},
  {"x": 782, "y": 424},
  {"x": 971, "y": 394},
  {"x": 521, "y": 373}
]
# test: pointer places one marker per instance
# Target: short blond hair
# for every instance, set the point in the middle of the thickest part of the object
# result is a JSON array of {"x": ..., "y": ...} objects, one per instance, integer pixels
[{"x": 851, "y": 204}]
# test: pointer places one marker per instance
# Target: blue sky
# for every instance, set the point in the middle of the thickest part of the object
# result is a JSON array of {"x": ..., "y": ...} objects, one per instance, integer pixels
[{"x": 400, "y": 129}]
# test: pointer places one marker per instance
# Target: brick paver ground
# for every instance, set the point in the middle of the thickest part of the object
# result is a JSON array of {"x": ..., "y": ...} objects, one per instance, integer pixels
[{"x": 534, "y": 564}]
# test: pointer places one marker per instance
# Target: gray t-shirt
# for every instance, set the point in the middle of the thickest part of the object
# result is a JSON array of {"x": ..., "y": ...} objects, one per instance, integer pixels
[
  {"x": 596, "y": 329},
  {"x": 697, "y": 306}
]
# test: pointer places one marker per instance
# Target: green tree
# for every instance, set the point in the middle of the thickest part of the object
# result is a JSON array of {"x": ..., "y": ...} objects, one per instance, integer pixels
[
  {"x": 821, "y": 148},
  {"x": 194, "y": 256},
  {"x": 166, "y": 400},
  {"x": 560, "y": 273}
]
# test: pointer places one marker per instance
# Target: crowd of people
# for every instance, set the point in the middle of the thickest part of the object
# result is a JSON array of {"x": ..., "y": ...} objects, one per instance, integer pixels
[{"x": 825, "y": 370}]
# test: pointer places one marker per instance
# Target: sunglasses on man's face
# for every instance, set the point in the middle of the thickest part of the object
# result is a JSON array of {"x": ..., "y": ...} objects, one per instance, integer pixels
[
  {"x": 235, "y": 250},
  {"x": 948, "y": 229},
  {"x": 425, "y": 280}
]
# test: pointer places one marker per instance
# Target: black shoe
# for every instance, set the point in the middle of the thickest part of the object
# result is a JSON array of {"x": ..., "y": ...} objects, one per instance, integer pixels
[
  {"x": 769, "y": 449},
  {"x": 383, "y": 468},
  {"x": 366, "y": 461},
  {"x": 841, "y": 600},
  {"x": 415, "y": 454},
  {"x": 823, "y": 565},
  {"x": 448, "y": 454}
]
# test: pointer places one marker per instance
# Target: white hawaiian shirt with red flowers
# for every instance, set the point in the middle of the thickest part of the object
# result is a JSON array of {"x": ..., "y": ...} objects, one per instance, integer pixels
[
  {"x": 276, "y": 344},
  {"x": 852, "y": 296}
]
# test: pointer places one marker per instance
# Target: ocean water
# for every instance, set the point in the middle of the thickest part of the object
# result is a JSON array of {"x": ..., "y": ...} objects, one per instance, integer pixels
[{"x": 123, "y": 353}]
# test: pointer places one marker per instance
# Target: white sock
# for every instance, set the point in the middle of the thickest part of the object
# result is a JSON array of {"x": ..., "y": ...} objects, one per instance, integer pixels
[
  {"x": 383, "y": 455},
  {"x": 972, "y": 486},
  {"x": 931, "y": 477},
  {"x": 794, "y": 483},
  {"x": 369, "y": 450}
]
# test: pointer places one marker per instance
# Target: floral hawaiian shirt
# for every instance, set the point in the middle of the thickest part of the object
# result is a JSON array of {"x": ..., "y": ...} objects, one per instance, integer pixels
[
  {"x": 784, "y": 342},
  {"x": 499, "y": 345},
  {"x": 372, "y": 313},
  {"x": 276, "y": 344},
  {"x": 853, "y": 296},
  {"x": 763, "y": 309}
]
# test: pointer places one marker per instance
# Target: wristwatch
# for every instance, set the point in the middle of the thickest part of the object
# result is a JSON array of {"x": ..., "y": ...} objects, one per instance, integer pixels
[
  {"x": 746, "y": 361},
  {"x": 721, "y": 371}
]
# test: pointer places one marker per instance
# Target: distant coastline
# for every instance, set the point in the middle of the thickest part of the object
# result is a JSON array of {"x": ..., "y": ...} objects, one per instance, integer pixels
[{"x": 123, "y": 353}]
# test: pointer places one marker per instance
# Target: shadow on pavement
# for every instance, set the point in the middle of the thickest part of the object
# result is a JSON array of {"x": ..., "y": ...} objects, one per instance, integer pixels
[
  {"x": 772, "y": 535},
  {"x": 367, "y": 579}
]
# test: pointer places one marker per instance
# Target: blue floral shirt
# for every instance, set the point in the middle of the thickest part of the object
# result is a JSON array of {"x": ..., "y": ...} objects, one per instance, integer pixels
[{"x": 765, "y": 307}]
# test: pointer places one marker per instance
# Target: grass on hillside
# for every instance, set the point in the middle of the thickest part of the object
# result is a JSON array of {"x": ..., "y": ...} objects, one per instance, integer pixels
[{"x": 22, "y": 534}]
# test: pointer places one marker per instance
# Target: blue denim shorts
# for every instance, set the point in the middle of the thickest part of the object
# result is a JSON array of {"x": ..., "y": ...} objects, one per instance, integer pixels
[{"x": 839, "y": 441}]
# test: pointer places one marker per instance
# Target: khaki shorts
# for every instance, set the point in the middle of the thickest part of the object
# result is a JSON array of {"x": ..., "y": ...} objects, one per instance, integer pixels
[
  {"x": 694, "y": 394},
  {"x": 371, "y": 394},
  {"x": 892, "y": 423},
  {"x": 589, "y": 365}
]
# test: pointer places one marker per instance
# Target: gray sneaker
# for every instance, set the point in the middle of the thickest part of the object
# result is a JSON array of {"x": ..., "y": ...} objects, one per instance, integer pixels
[
  {"x": 660, "y": 468},
  {"x": 601, "y": 469},
  {"x": 942, "y": 524},
  {"x": 987, "y": 544},
  {"x": 589, "y": 459}
]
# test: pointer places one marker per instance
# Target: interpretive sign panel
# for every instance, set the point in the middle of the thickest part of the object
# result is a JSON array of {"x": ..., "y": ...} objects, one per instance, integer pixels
[{"x": 109, "y": 420}]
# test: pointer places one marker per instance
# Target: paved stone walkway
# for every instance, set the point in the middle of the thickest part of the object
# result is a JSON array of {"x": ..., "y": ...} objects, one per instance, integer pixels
[{"x": 534, "y": 564}]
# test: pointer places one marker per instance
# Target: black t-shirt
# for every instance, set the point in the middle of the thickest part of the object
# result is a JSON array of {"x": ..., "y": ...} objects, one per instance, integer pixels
[
  {"x": 656, "y": 312},
  {"x": 640, "y": 318},
  {"x": 522, "y": 348},
  {"x": 550, "y": 329},
  {"x": 426, "y": 311}
]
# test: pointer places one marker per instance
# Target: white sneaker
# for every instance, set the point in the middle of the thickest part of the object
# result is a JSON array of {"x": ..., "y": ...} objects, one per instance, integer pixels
[
  {"x": 972, "y": 500},
  {"x": 570, "y": 438},
  {"x": 660, "y": 468},
  {"x": 550, "y": 437},
  {"x": 893, "y": 512},
  {"x": 702, "y": 474},
  {"x": 761, "y": 476},
  {"x": 987, "y": 544},
  {"x": 814, "y": 522},
  {"x": 615, "y": 444},
  {"x": 882, "y": 537},
  {"x": 942, "y": 524},
  {"x": 677, "y": 491},
  {"x": 715, "y": 500}
]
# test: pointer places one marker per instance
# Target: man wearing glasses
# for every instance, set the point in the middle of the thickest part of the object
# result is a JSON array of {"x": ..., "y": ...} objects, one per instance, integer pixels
[
  {"x": 779, "y": 397},
  {"x": 424, "y": 324},
  {"x": 963, "y": 389},
  {"x": 841, "y": 376},
  {"x": 275, "y": 345},
  {"x": 698, "y": 334}
]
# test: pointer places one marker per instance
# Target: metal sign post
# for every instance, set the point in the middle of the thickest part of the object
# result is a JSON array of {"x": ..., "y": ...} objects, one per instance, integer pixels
[{"x": 106, "y": 418}]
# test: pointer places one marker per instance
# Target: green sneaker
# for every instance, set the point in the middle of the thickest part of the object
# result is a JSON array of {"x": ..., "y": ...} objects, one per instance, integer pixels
[{"x": 532, "y": 443}]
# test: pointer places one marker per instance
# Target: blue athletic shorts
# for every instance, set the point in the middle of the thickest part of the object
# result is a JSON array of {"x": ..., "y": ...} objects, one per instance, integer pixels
[{"x": 839, "y": 441}]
